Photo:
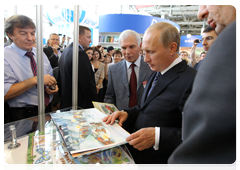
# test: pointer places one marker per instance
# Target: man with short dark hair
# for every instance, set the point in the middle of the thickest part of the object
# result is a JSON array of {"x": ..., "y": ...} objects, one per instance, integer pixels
[
  {"x": 86, "y": 82},
  {"x": 110, "y": 50},
  {"x": 157, "y": 121},
  {"x": 184, "y": 56},
  {"x": 209, "y": 115},
  {"x": 20, "y": 69},
  {"x": 209, "y": 35},
  {"x": 84, "y": 37},
  {"x": 200, "y": 58},
  {"x": 53, "y": 50}
]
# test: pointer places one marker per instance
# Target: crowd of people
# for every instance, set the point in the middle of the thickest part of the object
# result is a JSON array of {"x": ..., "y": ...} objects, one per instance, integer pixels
[{"x": 175, "y": 110}]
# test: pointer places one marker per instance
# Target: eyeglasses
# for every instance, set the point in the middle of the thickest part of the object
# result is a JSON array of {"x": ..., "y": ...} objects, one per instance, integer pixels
[{"x": 55, "y": 39}]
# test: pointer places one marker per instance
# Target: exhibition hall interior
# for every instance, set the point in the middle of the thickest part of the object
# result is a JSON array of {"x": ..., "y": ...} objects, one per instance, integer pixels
[{"x": 119, "y": 84}]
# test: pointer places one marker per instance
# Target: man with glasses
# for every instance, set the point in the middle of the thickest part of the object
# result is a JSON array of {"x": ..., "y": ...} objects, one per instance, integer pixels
[
  {"x": 209, "y": 35},
  {"x": 53, "y": 50}
]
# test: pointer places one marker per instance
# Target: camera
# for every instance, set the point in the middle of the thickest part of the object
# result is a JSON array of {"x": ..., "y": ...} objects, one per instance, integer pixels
[
  {"x": 51, "y": 88},
  {"x": 59, "y": 47},
  {"x": 197, "y": 41}
]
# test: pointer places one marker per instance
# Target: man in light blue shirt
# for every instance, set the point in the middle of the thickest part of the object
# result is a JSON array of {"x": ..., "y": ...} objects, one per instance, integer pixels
[{"x": 20, "y": 83}]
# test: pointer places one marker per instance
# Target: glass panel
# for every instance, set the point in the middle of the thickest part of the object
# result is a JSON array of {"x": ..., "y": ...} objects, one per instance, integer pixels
[{"x": 29, "y": 125}]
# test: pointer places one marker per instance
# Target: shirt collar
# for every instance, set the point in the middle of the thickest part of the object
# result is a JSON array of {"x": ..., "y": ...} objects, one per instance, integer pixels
[
  {"x": 175, "y": 62},
  {"x": 19, "y": 50},
  {"x": 81, "y": 46},
  {"x": 137, "y": 62}
]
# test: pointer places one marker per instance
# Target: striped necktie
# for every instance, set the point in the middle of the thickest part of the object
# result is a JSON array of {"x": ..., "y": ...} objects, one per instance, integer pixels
[
  {"x": 34, "y": 70},
  {"x": 154, "y": 82}
]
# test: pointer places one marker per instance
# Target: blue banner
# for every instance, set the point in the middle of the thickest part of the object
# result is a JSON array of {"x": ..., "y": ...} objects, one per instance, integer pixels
[
  {"x": 121, "y": 22},
  {"x": 188, "y": 42}
]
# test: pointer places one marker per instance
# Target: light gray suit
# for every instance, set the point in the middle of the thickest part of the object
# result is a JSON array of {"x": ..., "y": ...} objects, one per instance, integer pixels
[{"x": 118, "y": 87}]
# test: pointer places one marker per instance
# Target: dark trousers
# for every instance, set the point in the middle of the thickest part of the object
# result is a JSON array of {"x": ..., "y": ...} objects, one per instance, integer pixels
[{"x": 18, "y": 113}]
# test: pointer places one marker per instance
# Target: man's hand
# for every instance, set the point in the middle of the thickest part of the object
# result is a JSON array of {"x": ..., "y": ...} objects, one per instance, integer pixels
[
  {"x": 120, "y": 115},
  {"x": 55, "y": 47},
  {"x": 49, "y": 80},
  {"x": 52, "y": 91},
  {"x": 142, "y": 139},
  {"x": 195, "y": 43}
]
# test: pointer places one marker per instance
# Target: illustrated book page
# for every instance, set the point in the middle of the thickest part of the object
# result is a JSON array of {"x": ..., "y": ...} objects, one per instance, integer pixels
[
  {"x": 84, "y": 130},
  {"x": 106, "y": 108}
]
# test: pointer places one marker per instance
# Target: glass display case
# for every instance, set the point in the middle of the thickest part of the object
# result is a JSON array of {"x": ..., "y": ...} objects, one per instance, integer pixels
[{"x": 48, "y": 147}]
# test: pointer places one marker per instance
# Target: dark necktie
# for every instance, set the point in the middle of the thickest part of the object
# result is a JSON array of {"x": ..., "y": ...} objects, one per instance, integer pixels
[
  {"x": 34, "y": 70},
  {"x": 133, "y": 88},
  {"x": 154, "y": 82}
]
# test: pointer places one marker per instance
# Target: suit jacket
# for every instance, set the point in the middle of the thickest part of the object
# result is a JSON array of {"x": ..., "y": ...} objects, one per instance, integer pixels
[
  {"x": 198, "y": 65},
  {"x": 53, "y": 59},
  {"x": 209, "y": 119},
  {"x": 86, "y": 84},
  {"x": 118, "y": 87},
  {"x": 162, "y": 108}
]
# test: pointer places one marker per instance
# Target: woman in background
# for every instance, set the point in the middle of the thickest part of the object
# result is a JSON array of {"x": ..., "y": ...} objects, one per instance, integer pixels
[
  {"x": 89, "y": 52},
  {"x": 99, "y": 72}
]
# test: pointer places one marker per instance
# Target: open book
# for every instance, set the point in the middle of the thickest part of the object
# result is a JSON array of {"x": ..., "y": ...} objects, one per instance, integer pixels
[{"x": 84, "y": 131}]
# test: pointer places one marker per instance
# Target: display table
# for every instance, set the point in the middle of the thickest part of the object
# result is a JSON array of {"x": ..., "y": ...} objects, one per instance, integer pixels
[
  {"x": 48, "y": 146},
  {"x": 18, "y": 155}
]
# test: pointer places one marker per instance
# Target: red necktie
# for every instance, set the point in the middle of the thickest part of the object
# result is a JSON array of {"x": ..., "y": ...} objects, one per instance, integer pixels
[
  {"x": 34, "y": 70},
  {"x": 133, "y": 88}
]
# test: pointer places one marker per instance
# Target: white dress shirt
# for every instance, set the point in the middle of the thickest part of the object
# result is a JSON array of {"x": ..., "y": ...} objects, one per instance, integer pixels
[{"x": 136, "y": 68}]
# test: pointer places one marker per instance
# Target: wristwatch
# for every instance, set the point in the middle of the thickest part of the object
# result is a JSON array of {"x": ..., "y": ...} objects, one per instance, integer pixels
[{"x": 99, "y": 85}]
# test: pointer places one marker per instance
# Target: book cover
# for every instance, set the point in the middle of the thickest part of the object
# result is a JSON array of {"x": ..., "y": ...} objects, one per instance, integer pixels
[
  {"x": 84, "y": 131},
  {"x": 106, "y": 108}
]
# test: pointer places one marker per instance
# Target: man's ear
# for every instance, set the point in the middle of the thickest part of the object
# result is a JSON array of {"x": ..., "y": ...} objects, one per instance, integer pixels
[
  {"x": 9, "y": 36},
  {"x": 173, "y": 48}
]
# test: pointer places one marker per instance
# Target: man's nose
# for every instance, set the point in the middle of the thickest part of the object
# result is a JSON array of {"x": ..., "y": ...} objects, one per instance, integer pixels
[
  {"x": 202, "y": 12},
  {"x": 29, "y": 36},
  {"x": 146, "y": 58}
]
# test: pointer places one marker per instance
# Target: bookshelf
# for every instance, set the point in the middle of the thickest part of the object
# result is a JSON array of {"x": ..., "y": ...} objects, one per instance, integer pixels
[{"x": 109, "y": 39}]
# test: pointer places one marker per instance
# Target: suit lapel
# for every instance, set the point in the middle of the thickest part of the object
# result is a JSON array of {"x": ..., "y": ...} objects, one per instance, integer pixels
[
  {"x": 148, "y": 86},
  {"x": 142, "y": 73},
  {"x": 124, "y": 75},
  {"x": 162, "y": 83}
]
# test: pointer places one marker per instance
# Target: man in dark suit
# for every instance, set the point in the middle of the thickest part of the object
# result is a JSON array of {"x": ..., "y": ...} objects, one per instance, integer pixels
[
  {"x": 86, "y": 83},
  {"x": 158, "y": 120},
  {"x": 209, "y": 119},
  {"x": 53, "y": 50},
  {"x": 119, "y": 74}
]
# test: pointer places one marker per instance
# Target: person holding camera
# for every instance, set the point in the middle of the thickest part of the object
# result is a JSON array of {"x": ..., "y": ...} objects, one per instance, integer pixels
[
  {"x": 209, "y": 35},
  {"x": 53, "y": 50}
]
